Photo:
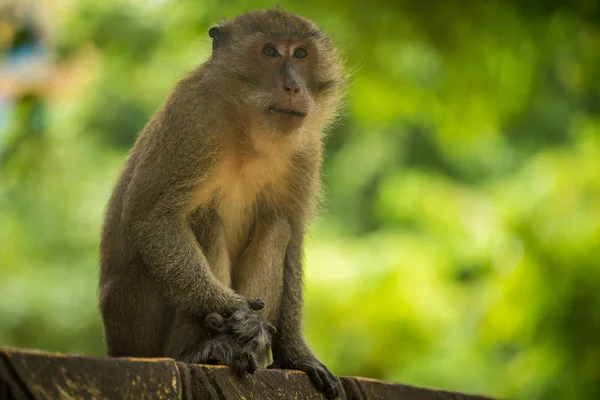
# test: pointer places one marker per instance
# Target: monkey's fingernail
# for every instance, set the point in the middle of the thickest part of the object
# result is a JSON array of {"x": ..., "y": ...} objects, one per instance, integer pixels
[
  {"x": 256, "y": 304},
  {"x": 213, "y": 320}
]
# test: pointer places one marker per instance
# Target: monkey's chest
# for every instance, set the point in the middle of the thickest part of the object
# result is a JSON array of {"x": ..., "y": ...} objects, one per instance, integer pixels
[
  {"x": 236, "y": 207},
  {"x": 240, "y": 197}
]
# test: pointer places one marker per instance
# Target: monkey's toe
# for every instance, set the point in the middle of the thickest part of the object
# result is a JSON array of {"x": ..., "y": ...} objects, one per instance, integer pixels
[
  {"x": 323, "y": 380},
  {"x": 318, "y": 373}
]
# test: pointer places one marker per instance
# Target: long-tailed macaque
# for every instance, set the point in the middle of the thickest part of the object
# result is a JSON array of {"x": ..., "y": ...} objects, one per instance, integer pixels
[{"x": 201, "y": 250}]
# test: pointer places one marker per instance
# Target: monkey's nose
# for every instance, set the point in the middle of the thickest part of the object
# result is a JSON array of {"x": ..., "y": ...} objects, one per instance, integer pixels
[{"x": 292, "y": 87}]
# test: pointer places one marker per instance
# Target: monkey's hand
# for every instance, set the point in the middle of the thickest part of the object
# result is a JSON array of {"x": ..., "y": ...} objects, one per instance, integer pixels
[
  {"x": 240, "y": 340},
  {"x": 321, "y": 377}
]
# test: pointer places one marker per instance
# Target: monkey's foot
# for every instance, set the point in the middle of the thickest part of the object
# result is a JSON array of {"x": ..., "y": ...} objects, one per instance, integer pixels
[{"x": 321, "y": 377}]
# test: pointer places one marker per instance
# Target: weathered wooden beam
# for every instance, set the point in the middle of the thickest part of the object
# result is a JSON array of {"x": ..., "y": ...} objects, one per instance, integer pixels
[{"x": 39, "y": 375}]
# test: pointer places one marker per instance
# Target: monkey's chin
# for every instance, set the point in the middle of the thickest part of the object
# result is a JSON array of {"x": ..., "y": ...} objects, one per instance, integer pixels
[{"x": 284, "y": 122}]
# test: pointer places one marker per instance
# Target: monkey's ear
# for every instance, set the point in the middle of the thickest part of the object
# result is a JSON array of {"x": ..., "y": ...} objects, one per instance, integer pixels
[
  {"x": 214, "y": 32},
  {"x": 218, "y": 35}
]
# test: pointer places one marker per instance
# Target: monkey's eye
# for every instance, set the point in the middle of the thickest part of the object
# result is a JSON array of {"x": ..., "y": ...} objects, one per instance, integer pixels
[
  {"x": 300, "y": 52},
  {"x": 270, "y": 51}
]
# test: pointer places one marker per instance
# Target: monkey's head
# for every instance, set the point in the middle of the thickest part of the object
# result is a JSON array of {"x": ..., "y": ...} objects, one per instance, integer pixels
[{"x": 280, "y": 68}]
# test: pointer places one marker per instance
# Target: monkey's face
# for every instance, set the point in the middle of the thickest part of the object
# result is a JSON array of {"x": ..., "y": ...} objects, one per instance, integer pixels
[
  {"x": 283, "y": 70},
  {"x": 282, "y": 93},
  {"x": 278, "y": 83}
]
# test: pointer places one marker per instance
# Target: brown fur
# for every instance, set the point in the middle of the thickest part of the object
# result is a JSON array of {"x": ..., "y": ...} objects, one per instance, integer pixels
[{"x": 210, "y": 210}]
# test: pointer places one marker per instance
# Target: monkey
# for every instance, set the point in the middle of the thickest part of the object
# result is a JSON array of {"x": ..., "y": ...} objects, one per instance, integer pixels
[{"x": 202, "y": 239}]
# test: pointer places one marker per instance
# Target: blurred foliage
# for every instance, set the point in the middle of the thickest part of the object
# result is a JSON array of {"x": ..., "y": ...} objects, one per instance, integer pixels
[{"x": 460, "y": 243}]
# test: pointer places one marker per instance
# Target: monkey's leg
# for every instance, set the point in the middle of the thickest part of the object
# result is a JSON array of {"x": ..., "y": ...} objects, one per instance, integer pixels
[
  {"x": 135, "y": 317},
  {"x": 259, "y": 273},
  {"x": 290, "y": 350}
]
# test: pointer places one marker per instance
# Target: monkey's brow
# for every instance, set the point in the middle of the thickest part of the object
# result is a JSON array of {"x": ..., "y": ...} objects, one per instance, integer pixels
[
  {"x": 303, "y": 35},
  {"x": 290, "y": 34},
  {"x": 311, "y": 34}
]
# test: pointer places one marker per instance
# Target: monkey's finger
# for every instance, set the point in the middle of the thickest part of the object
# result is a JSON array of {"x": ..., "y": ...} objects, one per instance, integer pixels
[
  {"x": 239, "y": 364},
  {"x": 244, "y": 363},
  {"x": 252, "y": 364},
  {"x": 213, "y": 321},
  {"x": 270, "y": 329},
  {"x": 238, "y": 367},
  {"x": 253, "y": 344},
  {"x": 256, "y": 304}
]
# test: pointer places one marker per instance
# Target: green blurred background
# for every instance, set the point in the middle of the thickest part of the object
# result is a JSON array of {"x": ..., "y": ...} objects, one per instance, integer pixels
[{"x": 459, "y": 246}]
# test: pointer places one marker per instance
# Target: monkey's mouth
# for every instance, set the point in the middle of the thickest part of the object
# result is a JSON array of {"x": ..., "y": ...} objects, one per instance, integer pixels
[{"x": 276, "y": 110}]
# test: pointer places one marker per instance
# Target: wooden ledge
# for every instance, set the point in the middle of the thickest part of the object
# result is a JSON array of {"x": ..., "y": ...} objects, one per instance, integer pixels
[{"x": 30, "y": 375}]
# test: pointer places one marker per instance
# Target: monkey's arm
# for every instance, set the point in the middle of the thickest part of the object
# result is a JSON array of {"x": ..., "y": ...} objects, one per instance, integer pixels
[
  {"x": 290, "y": 350},
  {"x": 169, "y": 250},
  {"x": 174, "y": 160}
]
